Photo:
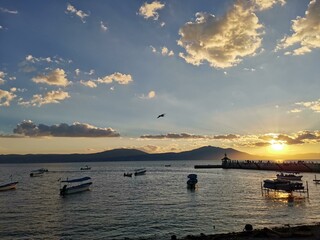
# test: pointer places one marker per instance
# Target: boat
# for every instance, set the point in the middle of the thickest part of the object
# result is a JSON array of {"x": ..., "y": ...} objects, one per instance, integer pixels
[
  {"x": 289, "y": 176},
  {"x": 282, "y": 185},
  {"x": 38, "y": 172},
  {"x": 8, "y": 186},
  {"x": 127, "y": 174},
  {"x": 315, "y": 180},
  {"x": 71, "y": 186},
  {"x": 85, "y": 168},
  {"x": 140, "y": 171},
  {"x": 192, "y": 181}
]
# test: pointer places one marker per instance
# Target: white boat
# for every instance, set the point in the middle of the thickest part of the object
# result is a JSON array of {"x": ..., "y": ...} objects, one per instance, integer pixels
[
  {"x": 8, "y": 186},
  {"x": 85, "y": 168},
  {"x": 289, "y": 176},
  {"x": 74, "y": 185},
  {"x": 140, "y": 171}
]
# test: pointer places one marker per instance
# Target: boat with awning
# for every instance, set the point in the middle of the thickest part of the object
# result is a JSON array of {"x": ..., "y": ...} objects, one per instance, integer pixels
[{"x": 70, "y": 186}]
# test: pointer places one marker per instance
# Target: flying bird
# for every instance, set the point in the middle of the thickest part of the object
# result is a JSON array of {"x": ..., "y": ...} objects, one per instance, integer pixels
[{"x": 161, "y": 115}]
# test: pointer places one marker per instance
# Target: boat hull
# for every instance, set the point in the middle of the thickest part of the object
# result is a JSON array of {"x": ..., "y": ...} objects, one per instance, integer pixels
[
  {"x": 75, "y": 189},
  {"x": 8, "y": 186}
]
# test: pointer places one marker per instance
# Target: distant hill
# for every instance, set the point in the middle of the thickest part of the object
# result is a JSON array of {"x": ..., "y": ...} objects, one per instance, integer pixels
[{"x": 203, "y": 153}]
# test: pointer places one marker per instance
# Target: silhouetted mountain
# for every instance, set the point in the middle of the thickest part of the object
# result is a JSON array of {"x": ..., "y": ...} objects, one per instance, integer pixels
[{"x": 203, "y": 153}]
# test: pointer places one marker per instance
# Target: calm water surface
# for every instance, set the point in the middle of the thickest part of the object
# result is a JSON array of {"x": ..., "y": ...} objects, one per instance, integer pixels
[{"x": 154, "y": 206}]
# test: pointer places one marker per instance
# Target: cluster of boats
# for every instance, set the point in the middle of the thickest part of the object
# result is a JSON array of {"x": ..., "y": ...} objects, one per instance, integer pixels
[
  {"x": 68, "y": 186},
  {"x": 287, "y": 182}
]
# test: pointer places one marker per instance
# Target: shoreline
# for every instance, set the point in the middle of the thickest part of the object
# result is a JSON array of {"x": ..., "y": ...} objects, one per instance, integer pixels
[{"x": 300, "y": 232}]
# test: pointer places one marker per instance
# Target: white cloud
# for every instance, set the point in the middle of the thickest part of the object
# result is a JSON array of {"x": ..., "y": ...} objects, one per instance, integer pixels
[
  {"x": 82, "y": 15},
  {"x": 89, "y": 83},
  {"x": 164, "y": 51},
  {"x": 103, "y": 26},
  {"x": 312, "y": 105},
  {"x": 149, "y": 10},
  {"x": 267, "y": 4},
  {"x": 77, "y": 71},
  {"x": 222, "y": 42},
  {"x": 5, "y": 98},
  {"x": 56, "y": 77},
  {"x": 306, "y": 31},
  {"x": 2, "y": 76},
  {"x": 116, "y": 77},
  {"x": 48, "y": 98},
  {"x": 4, "y": 10}
]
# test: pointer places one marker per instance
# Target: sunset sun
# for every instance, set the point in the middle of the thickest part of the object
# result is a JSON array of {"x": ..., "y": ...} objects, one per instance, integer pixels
[{"x": 277, "y": 146}]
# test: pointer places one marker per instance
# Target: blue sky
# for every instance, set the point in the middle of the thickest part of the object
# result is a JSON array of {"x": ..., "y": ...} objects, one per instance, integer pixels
[{"x": 87, "y": 76}]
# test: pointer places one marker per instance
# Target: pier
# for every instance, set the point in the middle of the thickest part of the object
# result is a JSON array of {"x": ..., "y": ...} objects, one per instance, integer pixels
[{"x": 289, "y": 166}]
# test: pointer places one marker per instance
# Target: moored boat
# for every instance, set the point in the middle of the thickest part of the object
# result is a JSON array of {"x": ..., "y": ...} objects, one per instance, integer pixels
[
  {"x": 71, "y": 186},
  {"x": 8, "y": 186},
  {"x": 127, "y": 174},
  {"x": 192, "y": 181},
  {"x": 282, "y": 185},
  {"x": 289, "y": 176},
  {"x": 85, "y": 168},
  {"x": 140, "y": 171}
]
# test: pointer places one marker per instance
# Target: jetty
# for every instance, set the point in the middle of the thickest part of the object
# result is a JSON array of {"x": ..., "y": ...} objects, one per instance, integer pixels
[{"x": 288, "y": 166}]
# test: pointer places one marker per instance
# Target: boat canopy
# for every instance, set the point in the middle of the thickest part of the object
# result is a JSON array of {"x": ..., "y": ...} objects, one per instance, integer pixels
[{"x": 76, "y": 180}]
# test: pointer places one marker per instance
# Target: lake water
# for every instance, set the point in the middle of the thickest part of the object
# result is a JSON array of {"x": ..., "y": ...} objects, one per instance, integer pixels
[{"x": 153, "y": 206}]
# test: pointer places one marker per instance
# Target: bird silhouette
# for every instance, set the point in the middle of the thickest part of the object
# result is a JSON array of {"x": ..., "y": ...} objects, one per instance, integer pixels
[{"x": 161, "y": 115}]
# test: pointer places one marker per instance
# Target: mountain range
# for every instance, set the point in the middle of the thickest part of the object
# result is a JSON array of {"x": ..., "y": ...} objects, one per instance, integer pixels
[{"x": 203, "y": 153}]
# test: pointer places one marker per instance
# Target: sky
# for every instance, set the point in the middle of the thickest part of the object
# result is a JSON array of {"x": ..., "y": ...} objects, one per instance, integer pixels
[{"x": 89, "y": 76}]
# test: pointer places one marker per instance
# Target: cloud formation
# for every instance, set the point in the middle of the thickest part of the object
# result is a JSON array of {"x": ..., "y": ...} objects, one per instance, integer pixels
[
  {"x": 6, "y": 97},
  {"x": 222, "y": 42},
  {"x": 2, "y": 75},
  {"x": 28, "y": 128},
  {"x": 306, "y": 31},
  {"x": 79, "y": 13},
  {"x": 302, "y": 137},
  {"x": 312, "y": 105},
  {"x": 267, "y": 4},
  {"x": 149, "y": 10},
  {"x": 116, "y": 77},
  {"x": 56, "y": 77},
  {"x": 48, "y": 98},
  {"x": 174, "y": 136},
  {"x": 103, "y": 26}
]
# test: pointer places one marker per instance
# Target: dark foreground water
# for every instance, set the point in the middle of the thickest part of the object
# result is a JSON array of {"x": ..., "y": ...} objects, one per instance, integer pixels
[{"x": 154, "y": 206}]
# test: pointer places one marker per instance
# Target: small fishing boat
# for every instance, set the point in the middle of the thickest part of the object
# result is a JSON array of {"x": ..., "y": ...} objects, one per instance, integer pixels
[
  {"x": 140, "y": 171},
  {"x": 127, "y": 174},
  {"x": 192, "y": 181},
  {"x": 85, "y": 168},
  {"x": 71, "y": 186},
  {"x": 8, "y": 186},
  {"x": 38, "y": 172},
  {"x": 289, "y": 176}
]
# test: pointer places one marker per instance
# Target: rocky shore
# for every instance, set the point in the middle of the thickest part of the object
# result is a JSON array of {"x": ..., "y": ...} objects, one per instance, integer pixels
[{"x": 308, "y": 232}]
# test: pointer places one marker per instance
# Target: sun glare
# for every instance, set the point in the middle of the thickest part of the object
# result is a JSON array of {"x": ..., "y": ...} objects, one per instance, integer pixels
[{"x": 277, "y": 146}]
